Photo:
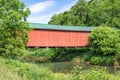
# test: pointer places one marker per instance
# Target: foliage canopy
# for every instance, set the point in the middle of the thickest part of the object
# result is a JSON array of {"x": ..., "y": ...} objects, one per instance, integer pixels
[
  {"x": 105, "y": 41},
  {"x": 90, "y": 13},
  {"x": 13, "y": 27}
]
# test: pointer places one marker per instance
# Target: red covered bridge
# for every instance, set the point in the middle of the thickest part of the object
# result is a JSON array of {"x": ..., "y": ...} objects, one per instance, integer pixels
[{"x": 44, "y": 35}]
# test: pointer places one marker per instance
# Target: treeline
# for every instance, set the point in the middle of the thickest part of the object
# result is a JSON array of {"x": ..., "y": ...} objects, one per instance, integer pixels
[{"x": 90, "y": 13}]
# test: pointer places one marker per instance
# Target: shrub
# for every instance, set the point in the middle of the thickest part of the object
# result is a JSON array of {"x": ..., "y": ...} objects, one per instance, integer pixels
[
  {"x": 69, "y": 53},
  {"x": 95, "y": 73},
  {"x": 44, "y": 52},
  {"x": 53, "y": 54},
  {"x": 31, "y": 71},
  {"x": 76, "y": 73},
  {"x": 7, "y": 74},
  {"x": 13, "y": 28},
  {"x": 87, "y": 56},
  {"x": 105, "y": 41},
  {"x": 102, "y": 60},
  {"x": 39, "y": 54}
]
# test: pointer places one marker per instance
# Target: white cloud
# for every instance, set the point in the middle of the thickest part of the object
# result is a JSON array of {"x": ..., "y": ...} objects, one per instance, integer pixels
[
  {"x": 41, "y": 6},
  {"x": 40, "y": 19},
  {"x": 66, "y": 7},
  {"x": 88, "y": 0}
]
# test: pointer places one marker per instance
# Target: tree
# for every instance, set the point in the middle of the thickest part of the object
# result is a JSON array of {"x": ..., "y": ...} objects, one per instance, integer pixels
[
  {"x": 13, "y": 27},
  {"x": 80, "y": 9},
  {"x": 55, "y": 19},
  {"x": 104, "y": 12},
  {"x": 105, "y": 41},
  {"x": 65, "y": 18},
  {"x": 74, "y": 17},
  {"x": 91, "y": 13}
]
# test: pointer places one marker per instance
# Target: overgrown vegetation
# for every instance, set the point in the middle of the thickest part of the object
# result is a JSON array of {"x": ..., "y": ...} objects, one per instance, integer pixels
[
  {"x": 7, "y": 74},
  {"x": 16, "y": 70},
  {"x": 25, "y": 71},
  {"x": 95, "y": 73},
  {"x": 105, "y": 43},
  {"x": 13, "y": 28},
  {"x": 90, "y": 13},
  {"x": 38, "y": 54},
  {"x": 53, "y": 54}
]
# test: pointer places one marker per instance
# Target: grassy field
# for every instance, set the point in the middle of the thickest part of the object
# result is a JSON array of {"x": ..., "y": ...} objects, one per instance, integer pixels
[
  {"x": 26, "y": 67},
  {"x": 15, "y": 70},
  {"x": 7, "y": 74}
]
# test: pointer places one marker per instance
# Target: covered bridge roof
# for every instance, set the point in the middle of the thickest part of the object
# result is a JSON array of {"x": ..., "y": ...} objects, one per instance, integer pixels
[{"x": 60, "y": 27}]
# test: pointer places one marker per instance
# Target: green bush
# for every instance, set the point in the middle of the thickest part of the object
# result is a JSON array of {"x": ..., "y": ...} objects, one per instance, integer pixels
[
  {"x": 44, "y": 52},
  {"x": 13, "y": 28},
  {"x": 96, "y": 60},
  {"x": 76, "y": 73},
  {"x": 7, "y": 74},
  {"x": 38, "y": 54},
  {"x": 87, "y": 56},
  {"x": 102, "y": 60},
  {"x": 69, "y": 53},
  {"x": 53, "y": 54},
  {"x": 31, "y": 71},
  {"x": 95, "y": 73},
  {"x": 105, "y": 41}
]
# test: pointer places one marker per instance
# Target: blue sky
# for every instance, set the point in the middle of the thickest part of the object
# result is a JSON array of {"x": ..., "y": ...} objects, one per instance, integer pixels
[{"x": 42, "y": 10}]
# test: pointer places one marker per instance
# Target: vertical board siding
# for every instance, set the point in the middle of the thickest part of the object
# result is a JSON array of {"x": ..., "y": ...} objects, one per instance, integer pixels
[{"x": 52, "y": 38}]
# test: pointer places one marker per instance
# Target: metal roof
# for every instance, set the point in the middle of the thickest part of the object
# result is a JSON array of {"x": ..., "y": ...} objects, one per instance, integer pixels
[{"x": 60, "y": 27}]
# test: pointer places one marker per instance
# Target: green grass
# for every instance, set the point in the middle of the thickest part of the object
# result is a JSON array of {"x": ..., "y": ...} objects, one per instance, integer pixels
[
  {"x": 94, "y": 73},
  {"x": 15, "y": 70},
  {"x": 25, "y": 71},
  {"x": 6, "y": 74}
]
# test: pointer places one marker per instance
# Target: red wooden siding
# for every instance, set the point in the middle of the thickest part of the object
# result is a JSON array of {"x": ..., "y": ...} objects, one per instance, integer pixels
[{"x": 52, "y": 38}]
